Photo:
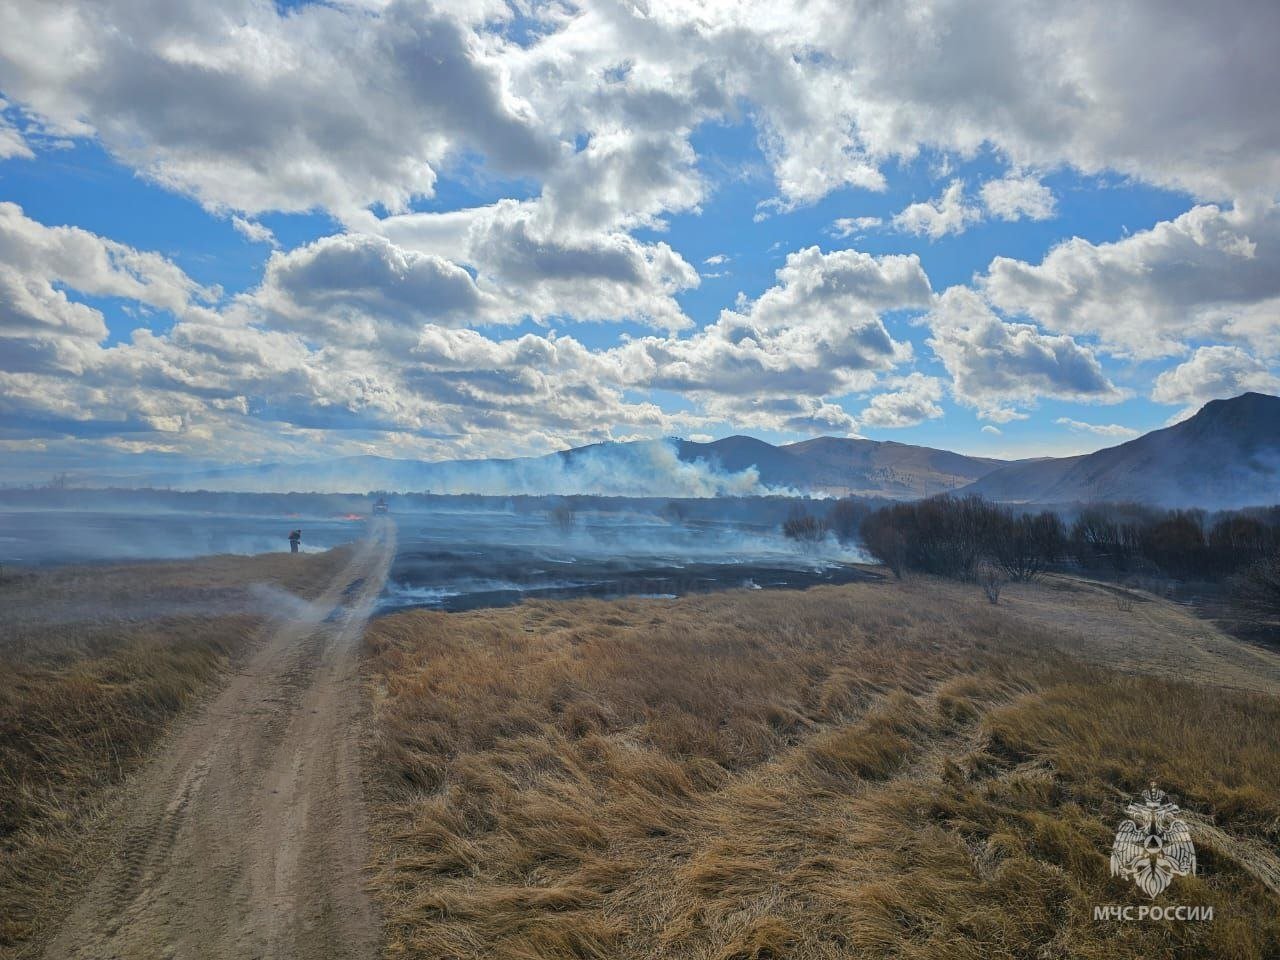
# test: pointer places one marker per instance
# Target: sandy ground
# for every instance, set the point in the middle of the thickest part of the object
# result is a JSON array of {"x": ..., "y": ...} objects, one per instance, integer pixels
[{"x": 245, "y": 837}]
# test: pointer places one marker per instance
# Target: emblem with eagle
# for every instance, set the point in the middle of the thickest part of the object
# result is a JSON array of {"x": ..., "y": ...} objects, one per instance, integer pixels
[{"x": 1154, "y": 846}]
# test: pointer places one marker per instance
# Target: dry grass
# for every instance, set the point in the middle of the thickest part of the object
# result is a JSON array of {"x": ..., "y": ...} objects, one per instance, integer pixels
[
  {"x": 96, "y": 662},
  {"x": 870, "y": 770}
]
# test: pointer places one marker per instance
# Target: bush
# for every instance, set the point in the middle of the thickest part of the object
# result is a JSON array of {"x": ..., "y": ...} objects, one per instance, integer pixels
[
  {"x": 989, "y": 579},
  {"x": 885, "y": 541},
  {"x": 845, "y": 518},
  {"x": 804, "y": 527},
  {"x": 564, "y": 517},
  {"x": 1257, "y": 588},
  {"x": 1023, "y": 546}
]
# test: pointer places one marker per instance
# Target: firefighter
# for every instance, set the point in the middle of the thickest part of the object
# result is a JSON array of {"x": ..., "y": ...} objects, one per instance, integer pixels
[{"x": 295, "y": 537}]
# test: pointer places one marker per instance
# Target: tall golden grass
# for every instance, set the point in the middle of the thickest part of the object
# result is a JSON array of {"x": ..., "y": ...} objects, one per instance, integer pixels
[
  {"x": 95, "y": 662},
  {"x": 880, "y": 770}
]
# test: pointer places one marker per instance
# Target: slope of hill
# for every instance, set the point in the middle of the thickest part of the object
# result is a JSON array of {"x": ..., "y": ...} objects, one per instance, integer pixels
[
  {"x": 1227, "y": 455},
  {"x": 843, "y": 466}
]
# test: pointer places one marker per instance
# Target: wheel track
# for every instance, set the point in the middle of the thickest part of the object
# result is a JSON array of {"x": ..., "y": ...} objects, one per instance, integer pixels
[{"x": 244, "y": 837}]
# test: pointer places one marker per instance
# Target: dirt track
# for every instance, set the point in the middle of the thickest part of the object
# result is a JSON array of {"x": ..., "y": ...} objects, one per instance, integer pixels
[{"x": 245, "y": 837}]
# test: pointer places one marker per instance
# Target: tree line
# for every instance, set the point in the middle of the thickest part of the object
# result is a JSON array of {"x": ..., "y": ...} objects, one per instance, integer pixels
[{"x": 974, "y": 539}]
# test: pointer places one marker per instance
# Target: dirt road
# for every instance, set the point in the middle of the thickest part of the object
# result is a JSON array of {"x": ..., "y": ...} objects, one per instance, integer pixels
[{"x": 245, "y": 837}]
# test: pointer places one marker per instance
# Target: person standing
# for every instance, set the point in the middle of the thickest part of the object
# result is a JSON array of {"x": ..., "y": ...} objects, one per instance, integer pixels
[{"x": 295, "y": 538}]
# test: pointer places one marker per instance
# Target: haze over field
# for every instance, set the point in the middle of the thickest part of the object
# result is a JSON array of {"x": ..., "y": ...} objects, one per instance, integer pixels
[{"x": 1227, "y": 455}]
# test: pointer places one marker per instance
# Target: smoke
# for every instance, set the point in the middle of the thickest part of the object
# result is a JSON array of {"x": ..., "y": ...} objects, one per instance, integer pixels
[
  {"x": 648, "y": 468},
  {"x": 279, "y": 604},
  {"x": 460, "y": 559},
  {"x": 645, "y": 469}
]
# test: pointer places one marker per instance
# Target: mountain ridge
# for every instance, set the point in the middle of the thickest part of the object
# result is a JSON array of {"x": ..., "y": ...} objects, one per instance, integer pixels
[{"x": 1226, "y": 454}]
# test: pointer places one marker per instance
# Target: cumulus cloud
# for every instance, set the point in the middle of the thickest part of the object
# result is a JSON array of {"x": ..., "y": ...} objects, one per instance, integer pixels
[
  {"x": 997, "y": 366},
  {"x": 914, "y": 401},
  {"x": 250, "y": 108},
  {"x": 531, "y": 269},
  {"x": 1014, "y": 197},
  {"x": 1115, "y": 430},
  {"x": 359, "y": 108},
  {"x": 817, "y": 332},
  {"x": 361, "y": 288},
  {"x": 1210, "y": 273},
  {"x": 951, "y": 213},
  {"x": 810, "y": 415},
  {"x": 41, "y": 327},
  {"x": 1214, "y": 373},
  {"x": 275, "y": 373}
]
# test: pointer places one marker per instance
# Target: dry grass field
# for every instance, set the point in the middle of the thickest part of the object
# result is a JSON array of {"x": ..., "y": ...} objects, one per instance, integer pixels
[
  {"x": 96, "y": 661},
  {"x": 875, "y": 770}
]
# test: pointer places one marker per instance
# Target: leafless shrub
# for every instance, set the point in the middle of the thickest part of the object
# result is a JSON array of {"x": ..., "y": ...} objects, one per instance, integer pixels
[
  {"x": 563, "y": 517},
  {"x": 1257, "y": 588},
  {"x": 990, "y": 581},
  {"x": 804, "y": 528}
]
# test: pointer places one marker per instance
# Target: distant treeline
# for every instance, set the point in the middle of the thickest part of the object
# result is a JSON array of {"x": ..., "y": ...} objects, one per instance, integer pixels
[{"x": 968, "y": 537}]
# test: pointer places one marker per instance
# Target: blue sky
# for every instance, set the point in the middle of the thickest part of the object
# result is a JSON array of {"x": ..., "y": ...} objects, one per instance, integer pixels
[{"x": 256, "y": 231}]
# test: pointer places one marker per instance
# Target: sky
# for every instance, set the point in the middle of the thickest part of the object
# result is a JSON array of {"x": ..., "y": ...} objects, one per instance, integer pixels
[{"x": 239, "y": 231}]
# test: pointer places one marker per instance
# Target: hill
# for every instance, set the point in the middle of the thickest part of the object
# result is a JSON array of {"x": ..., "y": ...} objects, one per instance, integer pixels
[{"x": 1227, "y": 455}]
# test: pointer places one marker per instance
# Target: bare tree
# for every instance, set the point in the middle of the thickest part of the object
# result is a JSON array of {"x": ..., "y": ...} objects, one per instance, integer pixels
[
  {"x": 804, "y": 528},
  {"x": 564, "y": 517},
  {"x": 1024, "y": 545}
]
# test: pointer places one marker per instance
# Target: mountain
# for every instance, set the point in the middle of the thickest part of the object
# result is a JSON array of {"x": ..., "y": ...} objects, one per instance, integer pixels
[
  {"x": 665, "y": 468},
  {"x": 1227, "y": 455},
  {"x": 842, "y": 466}
]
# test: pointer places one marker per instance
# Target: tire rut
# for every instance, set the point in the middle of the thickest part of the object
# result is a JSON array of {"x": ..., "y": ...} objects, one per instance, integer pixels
[{"x": 245, "y": 836}]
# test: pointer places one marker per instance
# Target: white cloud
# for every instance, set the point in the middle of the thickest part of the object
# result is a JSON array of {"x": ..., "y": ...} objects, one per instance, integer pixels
[
  {"x": 12, "y": 143},
  {"x": 716, "y": 259},
  {"x": 356, "y": 288},
  {"x": 253, "y": 231},
  {"x": 221, "y": 385},
  {"x": 354, "y": 107},
  {"x": 849, "y": 226},
  {"x": 816, "y": 332},
  {"x": 340, "y": 106},
  {"x": 914, "y": 401},
  {"x": 1115, "y": 430},
  {"x": 992, "y": 429},
  {"x": 788, "y": 414},
  {"x": 997, "y": 366},
  {"x": 951, "y": 213},
  {"x": 531, "y": 268},
  {"x": 1214, "y": 373},
  {"x": 251, "y": 109},
  {"x": 1014, "y": 197},
  {"x": 1209, "y": 273},
  {"x": 41, "y": 327}
]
